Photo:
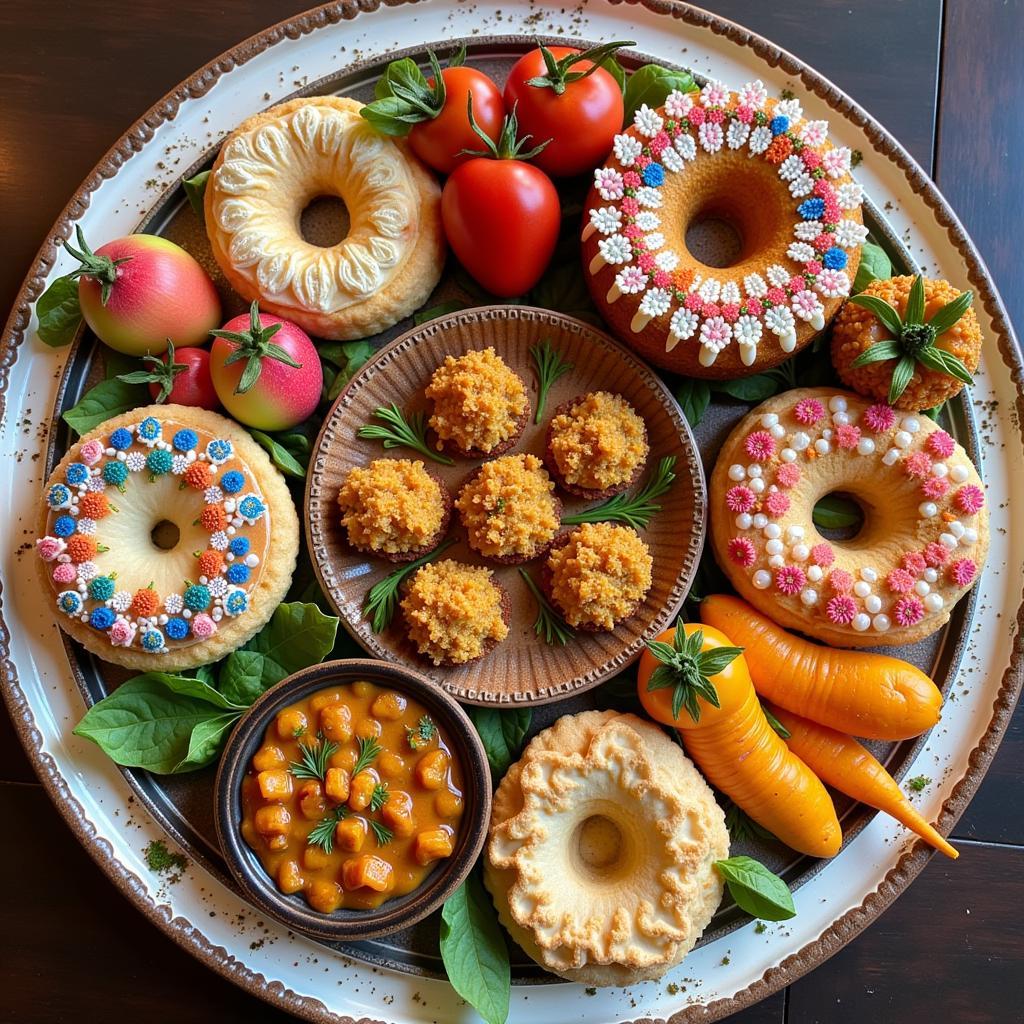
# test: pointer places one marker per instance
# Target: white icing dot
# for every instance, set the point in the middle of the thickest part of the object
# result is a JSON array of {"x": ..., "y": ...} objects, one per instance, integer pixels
[
  {"x": 760, "y": 521},
  {"x": 737, "y": 472},
  {"x": 229, "y": 505},
  {"x": 756, "y": 485},
  {"x": 959, "y": 474},
  {"x": 911, "y": 424},
  {"x": 939, "y": 469},
  {"x": 970, "y": 536},
  {"x": 861, "y": 589},
  {"x": 744, "y": 520},
  {"x": 934, "y": 603},
  {"x": 778, "y": 431},
  {"x": 794, "y": 533},
  {"x": 903, "y": 439},
  {"x": 957, "y": 529},
  {"x": 861, "y": 621},
  {"x": 928, "y": 509},
  {"x": 777, "y": 561},
  {"x": 827, "y": 434},
  {"x": 773, "y": 530},
  {"x": 252, "y": 560},
  {"x": 768, "y": 420},
  {"x": 931, "y": 575},
  {"x": 815, "y": 573},
  {"x": 865, "y": 446},
  {"x": 787, "y": 455},
  {"x": 774, "y": 547},
  {"x": 809, "y": 596},
  {"x": 837, "y": 404},
  {"x": 880, "y": 622},
  {"x": 923, "y": 588},
  {"x": 800, "y": 553},
  {"x": 873, "y": 603},
  {"x": 948, "y": 540},
  {"x": 821, "y": 446},
  {"x": 754, "y": 471},
  {"x": 869, "y": 574},
  {"x": 800, "y": 441},
  {"x": 890, "y": 457},
  {"x": 186, "y": 613},
  {"x": 840, "y": 418},
  {"x": 762, "y": 579}
]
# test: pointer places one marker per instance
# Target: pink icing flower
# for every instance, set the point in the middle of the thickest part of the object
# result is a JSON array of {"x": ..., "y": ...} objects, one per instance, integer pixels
[
  {"x": 908, "y": 611},
  {"x": 645, "y": 261},
  {"x": 811, "y": 158},
  {"x": 633, "y": 279},
  {"x": 609, "y": 183},
  {"x": 754, "y": 307},
  {"x": 716, "y": 116},
  {"x": 731, "y": 312},
  {"x": 643, "y": 161},
  {"x": 822, "y": 242},
  {"x": 696, "y": 116},
  {"x": 693, "y": 302},
  {"x": 633, "y": 231},
  {"x": 962, "y": 571},
  {"x": 710, "y": 309},
  {"x": 662, "y": 279},
  {"x": 742, "y": 552},
  {"x": 630, "y": 207},
  {"x": 777, "y": 504},
  {"x": 935, "y": 487},
  {"x": 813, "y": 267},
  {"x": 50, "y": 547},
  {"x": 936, "y": 554},
  {"x": 880, "y": 417},
  {"x": 913, "y": 561},
  {"x": 740, "y": 499},
  {"x": 760, "y": 445},
  {"x": 796, "y": 283},
  {"x": 823, "y": 555},
  {"x": 899, "y": 581},
  {"x": 122, "y": 633},
  {"x": 91, "y": 452},
  {"x": 918, "y": 464},
  {"x": 203, "y": 627},
  {"x": 659, "y": 143},
  {"x": 847, "y": 436},
  {"x": 805, "y": 304},
  {"x": 808, "y": 411},
  {"x": 825, "y": 190},
  {"x": 632, "y": 180},
  {"x": 833, "y": 212},
  {"x": 775, "y": 296},
  {"x": 841, "y": 610},
  {"x": 940, "y": 444},
  {"x": 970, "y": 499},
  {"x": 790, "y": 579},
  {"x": 65, "y": 572},
  {"x": 787, "y": 475},
  {"x": 744, "y": 113},
  {"x": 840, "y": 581}
]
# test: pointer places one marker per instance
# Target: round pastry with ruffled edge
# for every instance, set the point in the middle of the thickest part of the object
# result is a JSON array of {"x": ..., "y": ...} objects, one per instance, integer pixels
[
  {"x": 925, "y": 533},
  {"x": 759, "y": 166},
  {"x": 268, "y": 171},
  {"x": 168, "y": 538},
  {"x": 602, "y": 847}
]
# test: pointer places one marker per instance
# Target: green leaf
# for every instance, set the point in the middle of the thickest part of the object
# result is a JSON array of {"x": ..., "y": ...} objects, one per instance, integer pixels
[
  {"x": 206, "y": 740},
  {"x": 888, "y": 316},
  {"x": 349, "y": 357},
  {"x": 391, "y": 115},
  {"x": 201, "y": 689},
  {"x": 716, "y": 660},
  {"x": 195, "y": 191},
  {"x": 878, "y": 352},
  {"x": 693, "y": 396},
  {"x": 651, "y": 84},
  {"x": 901, "y": 377},
  {"x": 616, "y": 70},
  {"x": 935, "y": 412},
  {"x": 474, "y": 952},
  {"x": 874, "y": 265},
  {"x": 945, "y": 362},
  {"x": 441, "y": 309},
  {"x": 951, "y": 312},
  {"x": 279, "y": 455},
  {"x": 58, "y": 313},
  {"x": 145, "y": 724},
  {"x": 108, "y": 398},
  {"x": 836, "y": 513},
  {"x": 502, "y": 732},
  {"x": 241, "y": 677},
  {"x": 749, "y": 389},
  {"x": 756, "y": 889},
  {"x": 914, "y": 313},
  {"x": 776, "y": 724}
]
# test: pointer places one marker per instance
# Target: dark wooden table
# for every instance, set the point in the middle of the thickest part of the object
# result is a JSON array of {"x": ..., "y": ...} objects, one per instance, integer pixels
[{"x": 946, "y": 77}]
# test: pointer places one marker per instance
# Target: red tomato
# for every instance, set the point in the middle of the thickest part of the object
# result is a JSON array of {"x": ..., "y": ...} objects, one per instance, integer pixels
[
  {"x": 581, "y": 121},
  {"x": 191, "y": 383},
  {"x": 439, "y": 142},
  {"x": 502, "y": 218}
]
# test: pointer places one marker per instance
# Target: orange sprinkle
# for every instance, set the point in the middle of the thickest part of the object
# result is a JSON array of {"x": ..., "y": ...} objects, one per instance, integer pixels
[
  {"x": 94, "y": 505},
  {"x": 212, "y": 518},
  {"x": 210, "y": 563},
  {"x": 948, "y": 517},
  {"x": 145, "y": 602},
  {"x": 81, "y": 548},
  {"x": 199, "y": 475}
]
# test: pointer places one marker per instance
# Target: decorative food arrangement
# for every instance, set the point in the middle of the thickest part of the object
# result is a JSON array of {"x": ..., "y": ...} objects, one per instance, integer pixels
[{"x": 480, "y": 510}]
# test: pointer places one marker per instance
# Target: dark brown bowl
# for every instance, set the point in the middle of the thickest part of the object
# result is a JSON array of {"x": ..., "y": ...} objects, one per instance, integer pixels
[{"x": 397, "y": 913}]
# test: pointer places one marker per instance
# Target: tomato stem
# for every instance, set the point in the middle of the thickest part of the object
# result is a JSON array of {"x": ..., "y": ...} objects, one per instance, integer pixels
[
  {"x": 163, "y": 372},
  {"x": 101, "y": 269},
  {"x": 560, "y": 73},
  {"x": 508, "y": 146}
]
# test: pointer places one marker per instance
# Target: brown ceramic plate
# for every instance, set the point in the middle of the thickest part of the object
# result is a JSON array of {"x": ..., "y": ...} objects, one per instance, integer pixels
[{"x": 521, "y": 669}]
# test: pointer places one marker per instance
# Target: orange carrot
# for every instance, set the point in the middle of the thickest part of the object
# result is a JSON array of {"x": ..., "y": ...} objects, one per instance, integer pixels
[
  {"x": 869, "y": 695},
  {"x": 844, "y": 764},
  {"x": 692, "y": 679}
]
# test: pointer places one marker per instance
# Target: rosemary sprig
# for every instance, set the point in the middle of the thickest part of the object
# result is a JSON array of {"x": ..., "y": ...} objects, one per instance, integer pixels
[
  {"x": 322, "y": 833},
  {"x": 382, "y": 599},
  {"x": 380, "y": 796},
  {"x": 402, "y": 432},
  {"x": 548, "y": 624},
  {"x": 636, "y": 510},
  {"x": 420, "y": 734},
  {"x": 550, "y": 366},
  {"x": 381, "y": 833},
  {"x": 369, "y": 748},
  {"x": 314, "y": 759}
]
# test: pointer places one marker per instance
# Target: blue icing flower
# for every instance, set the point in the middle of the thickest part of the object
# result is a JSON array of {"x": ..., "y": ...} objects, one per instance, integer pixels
[
  {"x": 102, "y": 618},
  {"x": 251, "y": 508},
  {"x": 237, "y": 573},
  {"x": 58, "y": 497},
  {"x": 177, "y": 629},
  {"x": 64, "y": 526},
  {"x": 811, "y": 209},
  {"x": 121, "y": 439},
  {"x": 197, "y": 597},
  {"x": 150, "y": 429},
  {"x": 239, "y": 546},
  {"x": 777, "y": 125},
  {"x": 232, "y": 482},
  {"x": 236, "y": 602},
  {"x": 78, "y": 473},
  {"x": 834, "y": 258},
  {"x": 152, "y": 640},
  {"x": 115, "y": 473},
  {"x": 654, "y": 175},
  {"x": 219, "y": 450},
  {"x": 69, "y": 602},
  {"x": 159, "y": 461},
  {"x": 185, "y": 440}
]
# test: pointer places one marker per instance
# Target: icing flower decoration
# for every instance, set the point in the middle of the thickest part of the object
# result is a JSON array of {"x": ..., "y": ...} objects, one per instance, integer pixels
[
  {"x": 935, "y": 487},
  {"x": 841, "y": 610},
  {"x": 176, "y": 629},
  {"x": 58, "y": 497},
  {"x": 908, "y": 611},
  {"x": 251, "y": 508},
  {"x": 236, "y": 602},
  {"x": 77, "y": 473},
  {"x": 159, "y": 461},
  {"x": 840, "y": 581},
  {"x": 69, "y": 602},
  {"x": 64, "y": 526},
  {"x": 203, "y": 627},
  {"x": 64, "y": 572},
  {"x": 197, "y": 598},
  {"x": 914, "y": 562},
  {"x": 970, "y": 499},
  {"x": 122, "y": 633},
  {"x": 152, "y": 640},
  {"x": 185, "y": 440},
  {"x": 880, "y": 417},
  {"x": 823, "y": 555},
  {"x": 742, "y": 552},
  {"x": 760, "y": 445},
  {"x": 91, "y": 452},
  {"x": 121, "y": 439},
  {"x": 962, "y": 571},
  {"x": 50, "y": 547},
  {"x": 900, "y": 581},
  {"x": 790, "y": 579},
  {"x": 198, "y": 476},
  {"x": 101, "y": 618},
  {"x": 115, "y": 473},
  {"x": 777, "y": 504},
  {"x": 917, "y": 465},
  {"x": 239, "y": 546},
  {"x": 847, "y": 436},
  {"x": 740, "y": 499},
  {"x": 219, "y": 451},
  {"x": 149, "y": 431},
  {"x": 808, "y": 411},
  {"x": 940, "y": 444}
]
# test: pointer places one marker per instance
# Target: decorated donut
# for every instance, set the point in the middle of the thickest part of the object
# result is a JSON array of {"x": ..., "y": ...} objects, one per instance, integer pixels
[
  {"x": 925, "y": 532},
  {"x": 271, "y": 167},
  {"x": 760, "y": 166},
  {"x": 168, "y": 538}
]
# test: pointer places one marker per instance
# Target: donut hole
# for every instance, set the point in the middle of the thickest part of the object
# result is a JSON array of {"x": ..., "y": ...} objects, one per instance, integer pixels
[
  {"x": 165, "y": 535},
  {"x": 324, "y": 221},
  {"x": 713, "y": 240},
  {"x": 599, "y": 848},
  {"x": 840, "y": 517}
]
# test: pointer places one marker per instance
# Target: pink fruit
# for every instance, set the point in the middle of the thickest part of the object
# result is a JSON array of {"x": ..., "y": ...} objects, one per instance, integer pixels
[
  {"x": 266, "y": 371},
  {"x": 138, "y": 291}
]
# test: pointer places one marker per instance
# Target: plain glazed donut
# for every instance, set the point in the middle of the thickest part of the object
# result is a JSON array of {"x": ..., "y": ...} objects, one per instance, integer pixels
[
  {"x": 925, "y": 532},
  {"x": 759, "y": 166}
]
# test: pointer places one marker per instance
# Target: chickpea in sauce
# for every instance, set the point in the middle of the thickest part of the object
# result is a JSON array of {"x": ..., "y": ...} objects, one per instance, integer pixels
[{"x": 352, "y": 798}]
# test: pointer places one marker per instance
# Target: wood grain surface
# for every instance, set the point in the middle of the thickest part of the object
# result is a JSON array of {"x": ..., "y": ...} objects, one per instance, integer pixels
[{"x": 945, "y": 77}]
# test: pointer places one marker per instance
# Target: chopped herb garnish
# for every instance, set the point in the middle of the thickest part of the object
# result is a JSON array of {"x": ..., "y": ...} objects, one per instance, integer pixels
[
  {"x": 369, "y": 748},
  {"x": 636, "y": 511},
  {"x": 402, "y": 432},
  {"x": 314, "y": 759},
  {"x": 856, "y": 157},
  {"x": 550, "y": 366},
  {"x": 918, "y": 782},
  {"x": 787, "y": 94},
  {"x": 382, "y": 599},
  {"x": 298, "y": 731},
  {"x": 549, "y": 624},
  {"x": 499, "y": 508},
  {"x": 322, "y": 833},
  {"x": 380, "y": 796},
  {"x": 381, "y": 833},
  {"x": 742, "y": 827},
  {"x": 420, "y": 734},
  {"x": 760, "y": 928},
  {"x": 160, "y": 859}
]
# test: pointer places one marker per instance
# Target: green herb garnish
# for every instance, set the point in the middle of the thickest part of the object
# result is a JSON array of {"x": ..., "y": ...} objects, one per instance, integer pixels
[
  {"x": 742, "y": 827},
  {"x": 688, "y": 668},
  {"x": 550, "y": 366},
  {"x": 369, "y": 748},
  {"x": 380, "y": 796},
  {"x": 381, "y": 833},
  {"x": 402, "y": 432},
  {"x": 382, "y": 599},
  {"x": 779, "y": 728},
  {"x": 314, "y": 759},
  {"x": 636, "y": 511},
  {"x": 548, "y": 624},
  {"x": 298, "y": 731},
  {"x": 499, "y": 508},
  {"x": 913, "y": 338},
  {"x": 422, "y": 733},
  {"x": 757, "y": 890},
  {"x": 322, "y": 833},
  {"x": 161, "y": 860},
  {"x": 918, "y": 783}
]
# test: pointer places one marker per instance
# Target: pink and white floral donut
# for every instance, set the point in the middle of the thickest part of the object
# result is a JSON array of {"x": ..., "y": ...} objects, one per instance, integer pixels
[{"x": 925, "y": 532}]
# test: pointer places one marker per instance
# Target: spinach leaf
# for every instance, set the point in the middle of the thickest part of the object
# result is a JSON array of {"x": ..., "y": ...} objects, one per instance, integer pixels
[
  {"x": 874, "y": 265},
  {"x": 241, "y": 678},
  {"x": 195, "y": 190},
  {"x": 474, "y": 952},
  {"x": 502, "y": 732},
  {"x": 693, "y": 396},
  {"x": 201, "y": 689},
  {"x": 279, "y": 455},
  {"x": 58, "y": 313},
  {"x": 750, "y": 389},
  {"x": 756, "y": 889},
  {"x": 651, "y": 84},
  {"x": 108, "y": 398},
  {"x": 205, "y": 742},
  {"x": 349, "y": 357},
  {"x": 616, "y": 70},
  {"x": 835, "y": 513},
  {"x": 441, "y": 309}
]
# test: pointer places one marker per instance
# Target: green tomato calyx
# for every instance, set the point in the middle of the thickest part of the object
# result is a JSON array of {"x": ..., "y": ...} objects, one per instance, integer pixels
[
  {"x": 101, "y": 269},
  {"x": 254, "y": 345},
  {"x": 508, "y": 146},
  {"x": 559, "y": 72},
  {"x": 162, "y": 371}
]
